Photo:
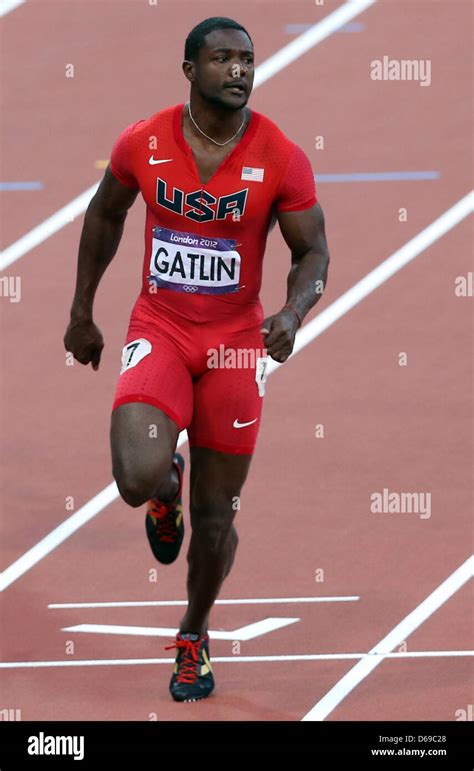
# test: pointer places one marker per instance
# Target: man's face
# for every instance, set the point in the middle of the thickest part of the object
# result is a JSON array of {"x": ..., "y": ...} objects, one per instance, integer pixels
[{"x": 224, "y": 69}]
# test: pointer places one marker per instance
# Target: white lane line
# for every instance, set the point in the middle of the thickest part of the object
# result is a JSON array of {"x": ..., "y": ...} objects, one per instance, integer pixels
[
  {"x": 270, "y": 67},
  {"x": 60, "y": 533},
  {"x": 47, "y": 228},
  {"x": 307, "y": 334},
  {"x": 233, "y": 659},
  {"x": 396, "y": 636},
  {"x": 381, "y": 273},
  {"x": 155, "y": 603},
  {"x": 311, "y": 37},
  {"x": 244, "y": 633},
  {"x": 9, "y": 5}
]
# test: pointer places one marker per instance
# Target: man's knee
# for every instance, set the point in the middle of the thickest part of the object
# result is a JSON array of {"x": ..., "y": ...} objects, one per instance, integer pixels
[
  {"x": 141, "y": 463},
  {"x": 212, "y": 520},
  {"x": 137, "y": 483},
  {"x": 134, "y": 487}
]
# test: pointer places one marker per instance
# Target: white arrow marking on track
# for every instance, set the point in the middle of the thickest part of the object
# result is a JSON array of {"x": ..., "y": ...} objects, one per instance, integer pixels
[{"x": 248, "y": 632}]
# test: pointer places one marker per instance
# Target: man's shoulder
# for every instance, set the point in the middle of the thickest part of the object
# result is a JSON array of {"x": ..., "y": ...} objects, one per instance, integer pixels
[
  {"x": 272, "y": 146},
  {"x": 269, "y": 129},
  {"x": 157, "y": 121}
]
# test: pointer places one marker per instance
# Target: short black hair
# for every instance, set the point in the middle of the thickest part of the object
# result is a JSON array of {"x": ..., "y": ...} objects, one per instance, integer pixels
[{"x": 195, "y": 39}]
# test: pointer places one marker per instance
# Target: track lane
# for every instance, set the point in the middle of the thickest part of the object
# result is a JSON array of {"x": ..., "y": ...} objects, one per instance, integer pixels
[{"x": 336, "y": 363}]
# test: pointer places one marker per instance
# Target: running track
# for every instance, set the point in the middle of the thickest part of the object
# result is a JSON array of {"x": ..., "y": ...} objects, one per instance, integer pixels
[{"x": 306, "y": 506}]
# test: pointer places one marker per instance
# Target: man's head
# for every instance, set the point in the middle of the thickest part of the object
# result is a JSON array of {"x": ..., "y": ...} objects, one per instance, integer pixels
[{"x": 219, "y": 62}]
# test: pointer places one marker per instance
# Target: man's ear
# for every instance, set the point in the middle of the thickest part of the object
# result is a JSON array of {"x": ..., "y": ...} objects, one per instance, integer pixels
[{"x": 189, "y": 69}]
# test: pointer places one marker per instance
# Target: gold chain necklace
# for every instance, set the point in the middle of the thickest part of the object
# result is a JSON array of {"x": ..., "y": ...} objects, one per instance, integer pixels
[{"x": 221, "y": 144}]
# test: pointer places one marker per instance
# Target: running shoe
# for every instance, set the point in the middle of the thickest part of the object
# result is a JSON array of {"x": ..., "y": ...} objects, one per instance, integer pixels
[
  {"x": 164, "y": 521},
  {"x": 192, "y": 677}
]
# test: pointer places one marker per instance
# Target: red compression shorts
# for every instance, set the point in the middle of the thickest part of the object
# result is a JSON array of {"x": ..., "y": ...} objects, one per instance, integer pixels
[{"x": 208, "y": 377}]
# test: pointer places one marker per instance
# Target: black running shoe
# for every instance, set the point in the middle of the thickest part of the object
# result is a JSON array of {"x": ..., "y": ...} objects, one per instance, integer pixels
[
  {"x": 164, "y": 521},
  {"x": 192, "y": 677}
]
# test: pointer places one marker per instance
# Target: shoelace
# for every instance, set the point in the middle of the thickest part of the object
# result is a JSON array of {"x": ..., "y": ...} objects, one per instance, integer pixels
[
  {"x": 187, "y": 665},
  {"x": 165, "y": 520}
]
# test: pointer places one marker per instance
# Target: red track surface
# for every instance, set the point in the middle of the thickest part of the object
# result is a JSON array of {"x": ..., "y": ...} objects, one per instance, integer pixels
[{"x": 306, "y": 505}]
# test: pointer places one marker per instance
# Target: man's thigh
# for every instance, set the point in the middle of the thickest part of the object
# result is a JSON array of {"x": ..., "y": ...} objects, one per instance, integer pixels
[
  {"x": 143, "y": 440},
  {"x": 155, "y": 372},
  {"x": 153, "y": 402}
]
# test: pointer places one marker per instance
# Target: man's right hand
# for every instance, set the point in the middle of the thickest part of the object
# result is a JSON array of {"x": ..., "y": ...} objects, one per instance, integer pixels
[{"x": 84, "y": 340}]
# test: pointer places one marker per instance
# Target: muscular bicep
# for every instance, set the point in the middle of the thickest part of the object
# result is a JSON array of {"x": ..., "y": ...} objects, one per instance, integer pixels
[
  {"x": 303, "y": 231},
  {"x": 113, "y": 198}
]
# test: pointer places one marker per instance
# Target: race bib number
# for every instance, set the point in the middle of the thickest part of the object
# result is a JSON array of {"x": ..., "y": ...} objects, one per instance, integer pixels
[
  {"x": 261, "y": 374},
  {"x": 134, "y": 352},
  {"x": 186, "y": 262}
]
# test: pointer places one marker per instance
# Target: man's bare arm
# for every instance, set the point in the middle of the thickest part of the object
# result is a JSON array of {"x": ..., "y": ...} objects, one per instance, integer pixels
[
  {"x": 305, "y": 235},
  {"x": 101, "y": 234}
]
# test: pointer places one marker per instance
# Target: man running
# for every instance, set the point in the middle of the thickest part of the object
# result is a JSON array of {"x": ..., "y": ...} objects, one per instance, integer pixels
[{"x": 215, "y": 176}]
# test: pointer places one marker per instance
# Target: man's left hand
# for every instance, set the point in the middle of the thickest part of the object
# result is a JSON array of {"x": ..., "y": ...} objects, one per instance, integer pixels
[{"x": 279, "y": 334}]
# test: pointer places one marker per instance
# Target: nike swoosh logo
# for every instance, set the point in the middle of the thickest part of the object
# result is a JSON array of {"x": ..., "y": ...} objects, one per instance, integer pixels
[
  {"x": 152, "y": 161},
  {"x": 242, "y": 425}
]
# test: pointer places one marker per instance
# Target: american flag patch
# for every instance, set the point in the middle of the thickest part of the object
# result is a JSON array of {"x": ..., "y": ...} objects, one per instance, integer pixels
[{"x": 252, "y": 175}]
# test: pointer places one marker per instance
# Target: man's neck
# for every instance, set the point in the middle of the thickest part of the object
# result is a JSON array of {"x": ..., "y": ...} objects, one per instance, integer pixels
[{"x": 215, "y": 120}]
